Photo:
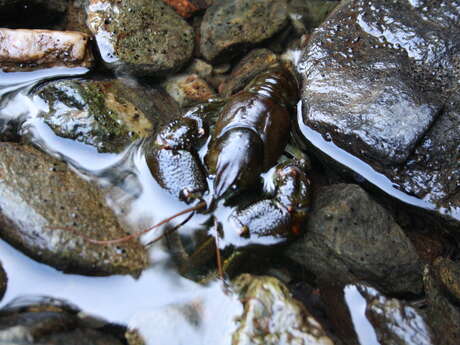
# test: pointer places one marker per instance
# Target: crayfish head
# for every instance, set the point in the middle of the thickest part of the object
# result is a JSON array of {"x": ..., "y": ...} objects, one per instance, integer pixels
[{"x": 236, "y": 160}]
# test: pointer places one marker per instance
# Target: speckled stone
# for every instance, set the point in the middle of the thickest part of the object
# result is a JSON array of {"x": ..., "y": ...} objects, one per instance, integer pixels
[
  {"x": 142, "y": 37},
  {"x": 46, "y": 209},
  {"x": 230, "y": 27}
]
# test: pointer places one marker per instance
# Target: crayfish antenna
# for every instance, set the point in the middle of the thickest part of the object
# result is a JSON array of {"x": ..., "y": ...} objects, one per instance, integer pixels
[
  {"x": 134, "y": 235},
  {"x": 218, "y": 255},
  {"x": 170, "y": 231}
]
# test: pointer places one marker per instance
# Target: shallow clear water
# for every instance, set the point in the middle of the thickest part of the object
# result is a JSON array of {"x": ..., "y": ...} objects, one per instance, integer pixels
[{"x": 160, "y": 297}]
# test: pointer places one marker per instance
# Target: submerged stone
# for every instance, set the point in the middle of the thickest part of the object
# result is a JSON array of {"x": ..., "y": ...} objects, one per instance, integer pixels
[
  {"x": 42, "y": 320},
  {"x": 24, "y": 50},
  {"x": 106, "y": 114},
  {"x": 272, "y": 317},
  {"x": 142, "y": 37},
  {"x": 380, "y": 80},
  {"x": 350, "y": 237},
  {"x": 395, "y": 321},
  {"x": 46, "y": 211},
  {"x": 231, "y": 27}
]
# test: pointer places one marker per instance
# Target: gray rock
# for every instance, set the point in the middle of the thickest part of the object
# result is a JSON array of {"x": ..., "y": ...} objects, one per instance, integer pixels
[
  {"x": 257, "y": 61},
  {"x": 272, "y": 317},
  {"x": 396, "y": 322},
  {"x": 50, "y": 321},
  {"x": 379, "y": 80},
  {"x": 3, "y": 281},
  {"x": 350, "y": 237},
  {"x": 142, "y": 37},
  {"x": 106, "y": 114},
  {"x": 46, "y": 209},
  {"x": 230, "y": 27},
  {"x": 444, "y": 317},
  {"x": 75, "y": 19}
]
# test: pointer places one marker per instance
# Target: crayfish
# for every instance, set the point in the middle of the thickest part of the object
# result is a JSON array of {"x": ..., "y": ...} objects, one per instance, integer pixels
[
  {"x": 248, "y": 138},
  {"x": 242, "y": 138}
]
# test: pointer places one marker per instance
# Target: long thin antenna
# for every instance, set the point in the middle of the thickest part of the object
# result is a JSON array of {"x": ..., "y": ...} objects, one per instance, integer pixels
[
  {"x": 170, "y": 231},
  {"x": 219, "y": 257},
  {"x": 134, "y": 235}
]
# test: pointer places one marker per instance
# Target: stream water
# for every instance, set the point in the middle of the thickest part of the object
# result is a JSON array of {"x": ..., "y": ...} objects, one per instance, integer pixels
[{"x": 159, "y": 295}]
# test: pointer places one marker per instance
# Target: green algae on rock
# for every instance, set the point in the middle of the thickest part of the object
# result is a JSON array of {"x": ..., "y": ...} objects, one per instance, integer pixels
[
  {"x": 141, "y": 37},
  {"x": 106, "y": 114},
  {"x": 40, "y": 195}
]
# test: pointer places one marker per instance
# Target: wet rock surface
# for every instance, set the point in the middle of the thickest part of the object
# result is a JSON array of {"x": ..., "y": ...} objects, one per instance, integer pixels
[
  {"x": 106, "y": 114},
  {"x": 51, "y": 321},
  {"x": 230, "y": 27},
  {"x": 3, "y": 281},
  {"x": 24, "y": 50},
  {"x": 39, "y": 196},
  {"x": 350, "y": 237},
  {"x": 379, "y": 80},
  {"x": 142, "y": 37},
  {"x": 394, "y": 321},
  {"x": 272, "y": 317},
  {"x": 188, "y": 89},
  {"x": 448, "y": 275},
  {"x": 444, "y": 316}
]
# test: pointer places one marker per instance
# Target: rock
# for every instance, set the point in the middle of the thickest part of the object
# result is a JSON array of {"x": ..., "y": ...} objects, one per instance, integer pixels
[
  {"x": 272, "y": 317},
  {"x": 32, "y": 14},
  {"x": 106, "y": 114},
  {"x": 350, "y": 237},
  {"x": 305, "y": 15},
  {"x": 448, "y": 275},
  {"x": 186, "y": 8},
  {"x": 3, "y": 281},
  {"x": 46, "y": 210},
  {"x": 229, "y": 27},
  {"x": 200, "y": 67},
  {"x": 395, "y": 322},
  {"x": 444, "y": 317},
  {"x": 141, "y": 37},
  {"x": 188, "y": 89},
  {"x": 24, "y": 50},
  {"x": 380, "y": 79},
  {"x": 51, "y": 321},
  {"x": 257, "y": 61},
  {"x": 75, "y": 19}
]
